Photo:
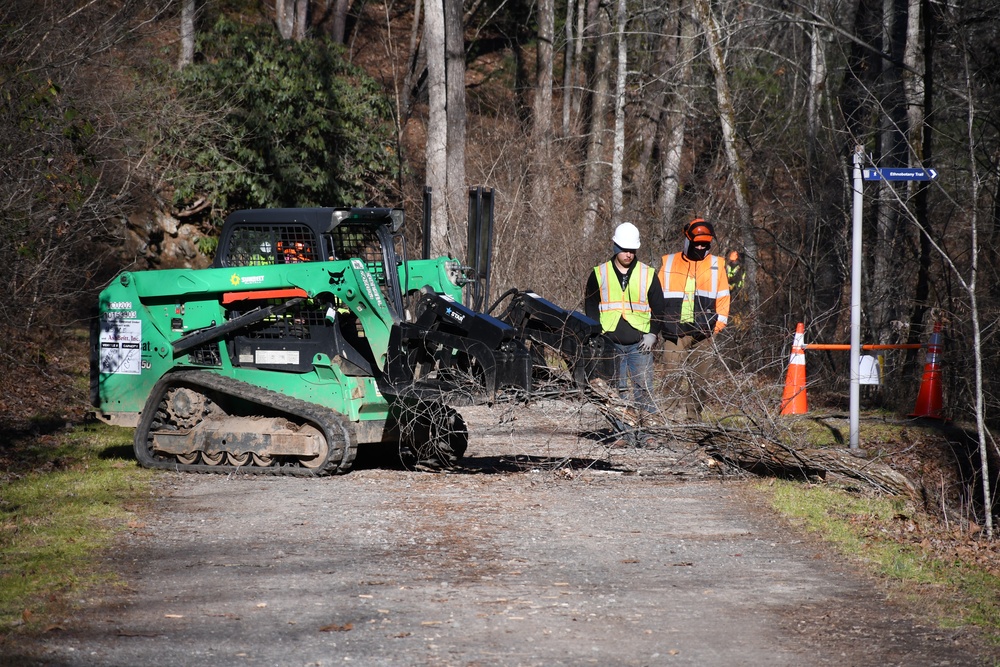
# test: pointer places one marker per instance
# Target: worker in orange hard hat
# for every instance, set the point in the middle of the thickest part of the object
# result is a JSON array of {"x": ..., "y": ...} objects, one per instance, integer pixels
[
  {"x": 295, "y": 252},
  {"x": 696, "y": 305}
]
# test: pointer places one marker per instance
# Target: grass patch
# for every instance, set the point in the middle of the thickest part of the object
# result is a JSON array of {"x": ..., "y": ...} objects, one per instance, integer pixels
[
  {"x": 926, "y": 567},
  {"x": 58, "y": 514}
]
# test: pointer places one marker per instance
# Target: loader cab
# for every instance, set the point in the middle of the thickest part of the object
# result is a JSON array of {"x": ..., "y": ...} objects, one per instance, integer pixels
[{"x": 263, "y": 237}]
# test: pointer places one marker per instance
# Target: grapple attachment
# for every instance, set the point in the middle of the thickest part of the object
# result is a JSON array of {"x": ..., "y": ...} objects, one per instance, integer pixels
[
  {"x": 455, "y": 350},
  {"x": 575, "y": 338}
]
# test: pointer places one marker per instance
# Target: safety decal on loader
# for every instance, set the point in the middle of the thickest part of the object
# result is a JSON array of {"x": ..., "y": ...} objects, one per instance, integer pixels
[
  {"x": 121, "y": 342},
  {"x": 371, "y": 289}
]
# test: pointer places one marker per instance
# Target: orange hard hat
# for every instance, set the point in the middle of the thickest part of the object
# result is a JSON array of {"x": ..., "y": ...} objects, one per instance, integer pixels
[
  {"x": 734, "y": 256},
  {"x": 699, "y": 231}
]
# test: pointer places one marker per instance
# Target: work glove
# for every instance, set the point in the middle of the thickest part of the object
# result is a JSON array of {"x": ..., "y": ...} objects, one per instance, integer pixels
[{"x": 647, "y": 342}]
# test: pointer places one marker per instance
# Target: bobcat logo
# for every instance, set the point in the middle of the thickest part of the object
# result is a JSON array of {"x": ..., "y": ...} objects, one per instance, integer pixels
[{"x": 336, "y": 278}]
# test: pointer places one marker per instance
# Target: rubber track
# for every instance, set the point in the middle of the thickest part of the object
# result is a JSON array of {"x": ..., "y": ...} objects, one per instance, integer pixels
[{"x": 339, "y": 433}]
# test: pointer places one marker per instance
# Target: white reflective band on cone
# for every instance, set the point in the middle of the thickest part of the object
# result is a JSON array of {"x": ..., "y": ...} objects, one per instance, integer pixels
[{"x": 798, "y": 357}]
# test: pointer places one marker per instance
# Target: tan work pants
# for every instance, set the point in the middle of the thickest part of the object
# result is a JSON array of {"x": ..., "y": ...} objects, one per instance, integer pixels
[{"x": 687, "y": 368}]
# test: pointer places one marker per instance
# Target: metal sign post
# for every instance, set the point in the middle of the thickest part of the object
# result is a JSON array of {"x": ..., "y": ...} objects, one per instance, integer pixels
[
  {"x": 856, "y": 302},
  {"x": 873, "y": 174}
]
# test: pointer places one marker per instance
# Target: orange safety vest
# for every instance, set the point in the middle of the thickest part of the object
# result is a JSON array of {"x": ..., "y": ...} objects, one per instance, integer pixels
[
  {"x": 695, "y": 294},
  {"x": 631, "y": 303}
]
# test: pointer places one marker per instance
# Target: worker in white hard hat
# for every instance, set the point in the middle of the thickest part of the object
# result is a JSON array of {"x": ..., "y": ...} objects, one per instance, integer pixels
[{"x": 625, "y": 296}]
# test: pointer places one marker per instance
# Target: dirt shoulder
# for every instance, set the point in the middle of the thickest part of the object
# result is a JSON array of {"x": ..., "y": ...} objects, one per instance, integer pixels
[{"x": 547, "y": 549}]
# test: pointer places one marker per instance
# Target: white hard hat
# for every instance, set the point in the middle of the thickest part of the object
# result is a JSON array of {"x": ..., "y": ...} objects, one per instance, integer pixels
[{"x": 626, "y": 236}]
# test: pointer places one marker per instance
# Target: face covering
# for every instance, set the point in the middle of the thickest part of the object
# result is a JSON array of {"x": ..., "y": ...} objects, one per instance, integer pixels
[{"x": 696, "y": 254}]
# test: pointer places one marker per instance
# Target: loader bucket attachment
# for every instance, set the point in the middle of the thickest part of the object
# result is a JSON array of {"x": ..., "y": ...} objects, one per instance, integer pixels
[{"x": 570, "y": 335}]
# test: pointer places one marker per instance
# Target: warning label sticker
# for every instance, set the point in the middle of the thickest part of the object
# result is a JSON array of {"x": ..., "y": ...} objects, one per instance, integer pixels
[{"x": 121, "y": 343}]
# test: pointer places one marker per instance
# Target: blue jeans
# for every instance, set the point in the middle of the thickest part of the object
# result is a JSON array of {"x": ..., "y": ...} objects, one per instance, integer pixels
[{"x": 638, "y": 367}]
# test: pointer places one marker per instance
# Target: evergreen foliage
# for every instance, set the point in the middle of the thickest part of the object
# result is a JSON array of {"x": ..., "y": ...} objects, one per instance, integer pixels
[{"x": 296, "y": 124}]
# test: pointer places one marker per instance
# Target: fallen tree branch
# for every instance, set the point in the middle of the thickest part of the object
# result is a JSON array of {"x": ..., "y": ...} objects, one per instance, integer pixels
[{"x": 752, "y": 449}]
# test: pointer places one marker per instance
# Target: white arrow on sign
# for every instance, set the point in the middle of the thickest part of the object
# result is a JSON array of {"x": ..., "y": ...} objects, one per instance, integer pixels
[{"x": 903, "y": 174}]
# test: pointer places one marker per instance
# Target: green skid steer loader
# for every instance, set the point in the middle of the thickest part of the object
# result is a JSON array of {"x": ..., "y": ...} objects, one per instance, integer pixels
[{"x": 310, "y": 336}]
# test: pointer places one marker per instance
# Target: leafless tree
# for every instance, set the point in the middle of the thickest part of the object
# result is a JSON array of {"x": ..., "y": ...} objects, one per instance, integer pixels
[
  {"x": 454, "y": 44},
  {"x": 188, "y": 11},
  {"x": 737, "y": 164},
  {"x": 621, "y": 76},
  {"x": 66, "y": 180},
  {"x": 414, "y": 64},
  {"x": 569, "y": 64},
  {"x": 598, "y": 28},
  {"x": 437, "y": 122},
  {"x": 673, "y": 123},
  {"x": 542, "y": 107},
  {"x": 292, "y": 18},
  {"x": 338, "y": 29}
]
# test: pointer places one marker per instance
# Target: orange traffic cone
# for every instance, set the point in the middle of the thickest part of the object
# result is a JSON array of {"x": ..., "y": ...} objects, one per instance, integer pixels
[
  {"x": 929, "y": 401},
  {"x": 793, "y": 400}
]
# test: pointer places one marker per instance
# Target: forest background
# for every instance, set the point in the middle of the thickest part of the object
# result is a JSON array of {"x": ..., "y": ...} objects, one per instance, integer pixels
[{"x": 129, "y": 129}]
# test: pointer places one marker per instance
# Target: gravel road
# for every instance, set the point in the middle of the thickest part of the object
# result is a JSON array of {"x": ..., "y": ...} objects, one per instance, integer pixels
[{"x": 546, "y": 549}]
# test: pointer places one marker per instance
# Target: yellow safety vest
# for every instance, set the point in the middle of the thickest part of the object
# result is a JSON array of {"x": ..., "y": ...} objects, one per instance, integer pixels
[{"x": 632, "y": 303}]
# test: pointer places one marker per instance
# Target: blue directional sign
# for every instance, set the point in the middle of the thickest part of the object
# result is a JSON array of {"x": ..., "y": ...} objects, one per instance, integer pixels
[{"x": 900, "y": 174}]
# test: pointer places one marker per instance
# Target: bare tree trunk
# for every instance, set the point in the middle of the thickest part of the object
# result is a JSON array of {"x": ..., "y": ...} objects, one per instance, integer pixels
[
  {"x": 913, "y": 82},
  {"x": 301, "y": 20},
  {"x": 595, "y": 158},
  {"x": 727, "y": 117},
  {"x": 816, "y": 92},
  {"x": 618, "y": 154},
  {"x": 338, "y": 30},
  {"x": 886, "y": 288},
  {"x": 977, "y": 336},
  {"x": 437, "y": 123},
  {"x": 970, "y": 288},
  {"x": 542, "y": 107},
  {"x": 921, "y": 292},
  {"x": 412, "y": 66},
  {"x": 542, "y": 111},
  {"x": 828, "y": 239},
  {"x": 579, "y": 71},
  {"x": 824, "y": 247},
  {"x": 284, "y": 17},
  {"x": 568, "y": 64},
  {"x": 674, "y": 124},
  {"x": 454, "y": 42},
  {"x": 188, "y": 9},
  {"x": 662, "y": 58}
]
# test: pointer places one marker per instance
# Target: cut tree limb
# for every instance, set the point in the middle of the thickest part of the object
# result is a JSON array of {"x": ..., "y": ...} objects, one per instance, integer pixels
[{"x": 752, "y": 449}]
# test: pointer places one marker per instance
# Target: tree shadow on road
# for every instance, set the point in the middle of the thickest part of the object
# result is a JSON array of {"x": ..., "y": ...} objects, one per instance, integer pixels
[{"x": 522, "y": 463}]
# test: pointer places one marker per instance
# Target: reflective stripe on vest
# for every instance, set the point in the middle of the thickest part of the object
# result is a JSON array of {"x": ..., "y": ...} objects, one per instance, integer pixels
[
  {"x": 632, "y": 304},
  {"x": 693, "y": 296},
  {"x": 711, "y": 293},
  {"x": 687, "y": 305}
]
